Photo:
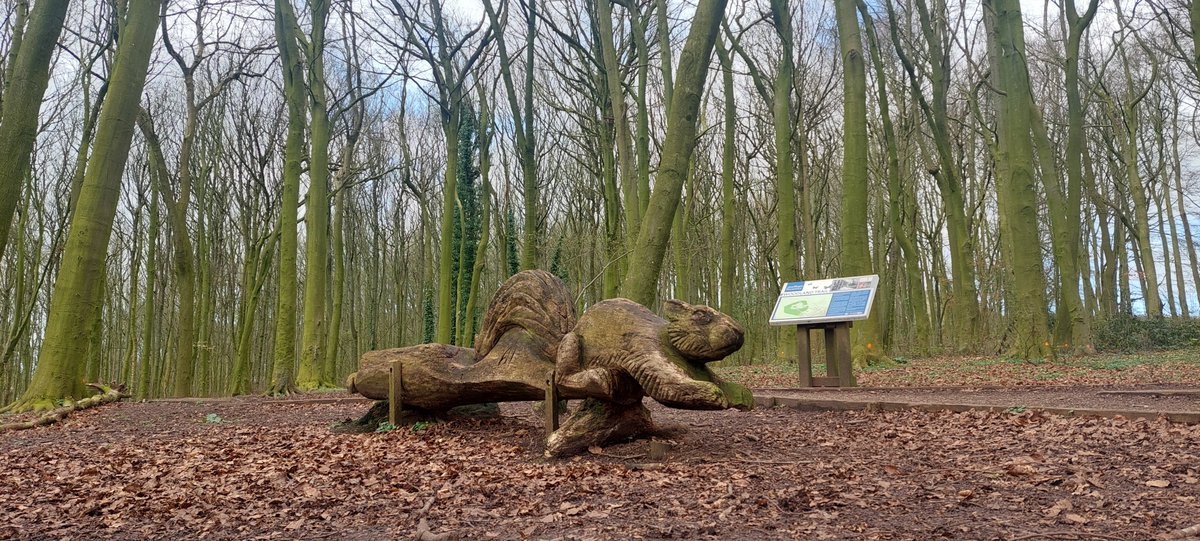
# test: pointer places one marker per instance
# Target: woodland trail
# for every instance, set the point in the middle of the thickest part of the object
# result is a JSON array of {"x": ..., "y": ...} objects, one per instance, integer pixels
[{"x": 1178, "y": 403}]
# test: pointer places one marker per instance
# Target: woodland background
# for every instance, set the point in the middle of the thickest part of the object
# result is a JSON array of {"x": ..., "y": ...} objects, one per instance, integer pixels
[{"x": 303, "y": 183}]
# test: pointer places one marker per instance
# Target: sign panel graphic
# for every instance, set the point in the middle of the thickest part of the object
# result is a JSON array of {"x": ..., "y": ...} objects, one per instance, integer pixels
[{"x": 821, "y": 301}]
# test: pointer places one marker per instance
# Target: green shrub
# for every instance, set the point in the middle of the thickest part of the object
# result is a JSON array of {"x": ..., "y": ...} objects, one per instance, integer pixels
[{"x": 1130, "y": 333}]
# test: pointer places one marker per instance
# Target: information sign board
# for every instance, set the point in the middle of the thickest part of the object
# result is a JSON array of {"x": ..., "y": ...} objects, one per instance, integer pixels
[{"x": 823, "y": 301}]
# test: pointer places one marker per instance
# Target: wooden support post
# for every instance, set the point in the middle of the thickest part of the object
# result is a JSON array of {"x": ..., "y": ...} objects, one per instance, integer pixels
[
  {"x": 395, "y": 393},
  {"x": 551, "y": 406},
  {"x": 839, "y": 368},
  {"x": 804, "y": 355},
  {"x": 832, "y": 367},
  {"x": 840, "y": 353}
]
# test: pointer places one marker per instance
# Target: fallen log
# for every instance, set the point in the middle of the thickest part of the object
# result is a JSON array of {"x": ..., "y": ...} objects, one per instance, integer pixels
[
  {"x": 1184, "y": 533},
  {"x": 107, "y": 395},
  {"x": 439, "y": 377},
  {"x": 514, "y": 352}
]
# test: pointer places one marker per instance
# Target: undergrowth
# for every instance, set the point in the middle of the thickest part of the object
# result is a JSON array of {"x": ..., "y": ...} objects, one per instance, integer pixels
[{"x": 1127, "y": 333}]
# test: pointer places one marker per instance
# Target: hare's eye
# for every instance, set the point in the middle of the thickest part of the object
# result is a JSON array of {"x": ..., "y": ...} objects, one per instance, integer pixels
[{"x": 702, "y": 318}]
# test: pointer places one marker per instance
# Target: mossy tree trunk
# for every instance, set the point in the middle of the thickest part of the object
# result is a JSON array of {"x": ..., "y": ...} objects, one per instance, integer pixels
[
  {"x": 27, "y": 75},
  {"x": 148, "y": 310},
  {"x": 855, "y": 249},
  {"x": 728, "y": 189},
  {"x": 1177, "y": 170},
  {"x": 283, "y": 378},
  {"x": 623, "y": 137},
  {"x": 524, "y": 135},
  {"x": 316, "y": 208},
  {"x": 1028, "y": 336},
  {"x": 647, "y": 256},
  {"x": 345, "y": 174},
  {"x": 785, "y": 170},
  {"x": 1081, "y": 318},
  {"x": 900, "y": 224},
  {"x": 259, "y": 256},
  {"x": 484, "y": 127},
  {"x": 59, "y": 369},
  {"x": 450, "y": 59},
  {"x": 962, "y": 312},
  {"x": 183, "y": 256},
  {"x": 189, "y": 176}
]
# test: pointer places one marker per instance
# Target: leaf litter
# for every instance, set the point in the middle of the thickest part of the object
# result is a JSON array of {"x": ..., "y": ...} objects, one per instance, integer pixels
[{"x": 276, "y": 471}]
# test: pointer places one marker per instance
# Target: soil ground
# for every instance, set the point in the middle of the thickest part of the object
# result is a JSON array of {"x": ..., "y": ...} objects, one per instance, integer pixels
[
  {"x": 1179, "y": 402},
  {"x": 257, "y": 468}
]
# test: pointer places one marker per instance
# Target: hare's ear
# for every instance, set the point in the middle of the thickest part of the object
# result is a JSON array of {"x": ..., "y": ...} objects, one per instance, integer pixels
[{"x": 675, "y": 310}]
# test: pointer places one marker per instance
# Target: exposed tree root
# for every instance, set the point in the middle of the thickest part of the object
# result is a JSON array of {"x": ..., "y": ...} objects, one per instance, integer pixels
[
  {"x": 1184, "y": 533},
  {"x": 317, "y": 386},
  {"x": 423, "y": 531},
  {"x": 281, "y": 390},
  {"x": 424, "y": 534},
  {"x": 107, "y": 394},
  {"x": 29, "y": 404}
]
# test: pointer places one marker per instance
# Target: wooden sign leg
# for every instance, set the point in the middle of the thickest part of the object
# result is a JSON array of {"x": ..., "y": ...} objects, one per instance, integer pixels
[
  {"x": 832, "y": 367},
  {"x": 804, "y": 356},
  {"x": 551, "y": 407},
  {"x": 842, "y": 355},
  {"x": 395, "y": 393}
]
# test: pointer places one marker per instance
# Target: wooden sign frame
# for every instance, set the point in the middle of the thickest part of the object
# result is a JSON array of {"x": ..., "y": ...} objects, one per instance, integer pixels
[{"x": 831, "y": 306}]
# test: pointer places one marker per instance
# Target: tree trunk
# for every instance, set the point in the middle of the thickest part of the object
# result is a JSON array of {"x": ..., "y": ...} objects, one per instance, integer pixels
[
  {"x": 963, "y": 304},
  {"x": 901, "y": 230},
  {"x": 316, "y": 214},
  {"x": 1081, "y": 330},
  {"x": 282, "y": 371},
  {"x": 29, "y": 74},
  {"x": 785, "y": 186},
  {"x": 647, "y": 257},
  {"x": 855, "y": 248},
  {"x": 148, "y": 323},
  {"x": 627, "y": 171},
  {"x": 523, "y": 130},
  {"x": 485, "y": 211},
  {"x": 1174, "y": 243},
  {"x": 728, "y": 157},
  {"x": 183, "y": 255},
  {"x": 1177, "y": 168},
  {"x": 59, "y": 370},
  {"x": 1064, "y": 242},
  {"x": 1017, "y": 194}
]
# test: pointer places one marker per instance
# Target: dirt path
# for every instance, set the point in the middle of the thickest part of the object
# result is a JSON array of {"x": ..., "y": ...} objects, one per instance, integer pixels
[
  {"x": 1178, "y": 403},
  {"x": 263, "y": 469}
]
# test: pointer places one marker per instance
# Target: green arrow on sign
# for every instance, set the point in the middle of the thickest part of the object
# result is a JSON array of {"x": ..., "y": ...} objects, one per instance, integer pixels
[{"x": 798, "y": 308}]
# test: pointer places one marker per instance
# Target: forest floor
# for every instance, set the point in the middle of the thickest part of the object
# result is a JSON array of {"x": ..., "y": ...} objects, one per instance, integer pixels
[{"x": 259, "y": 468}]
